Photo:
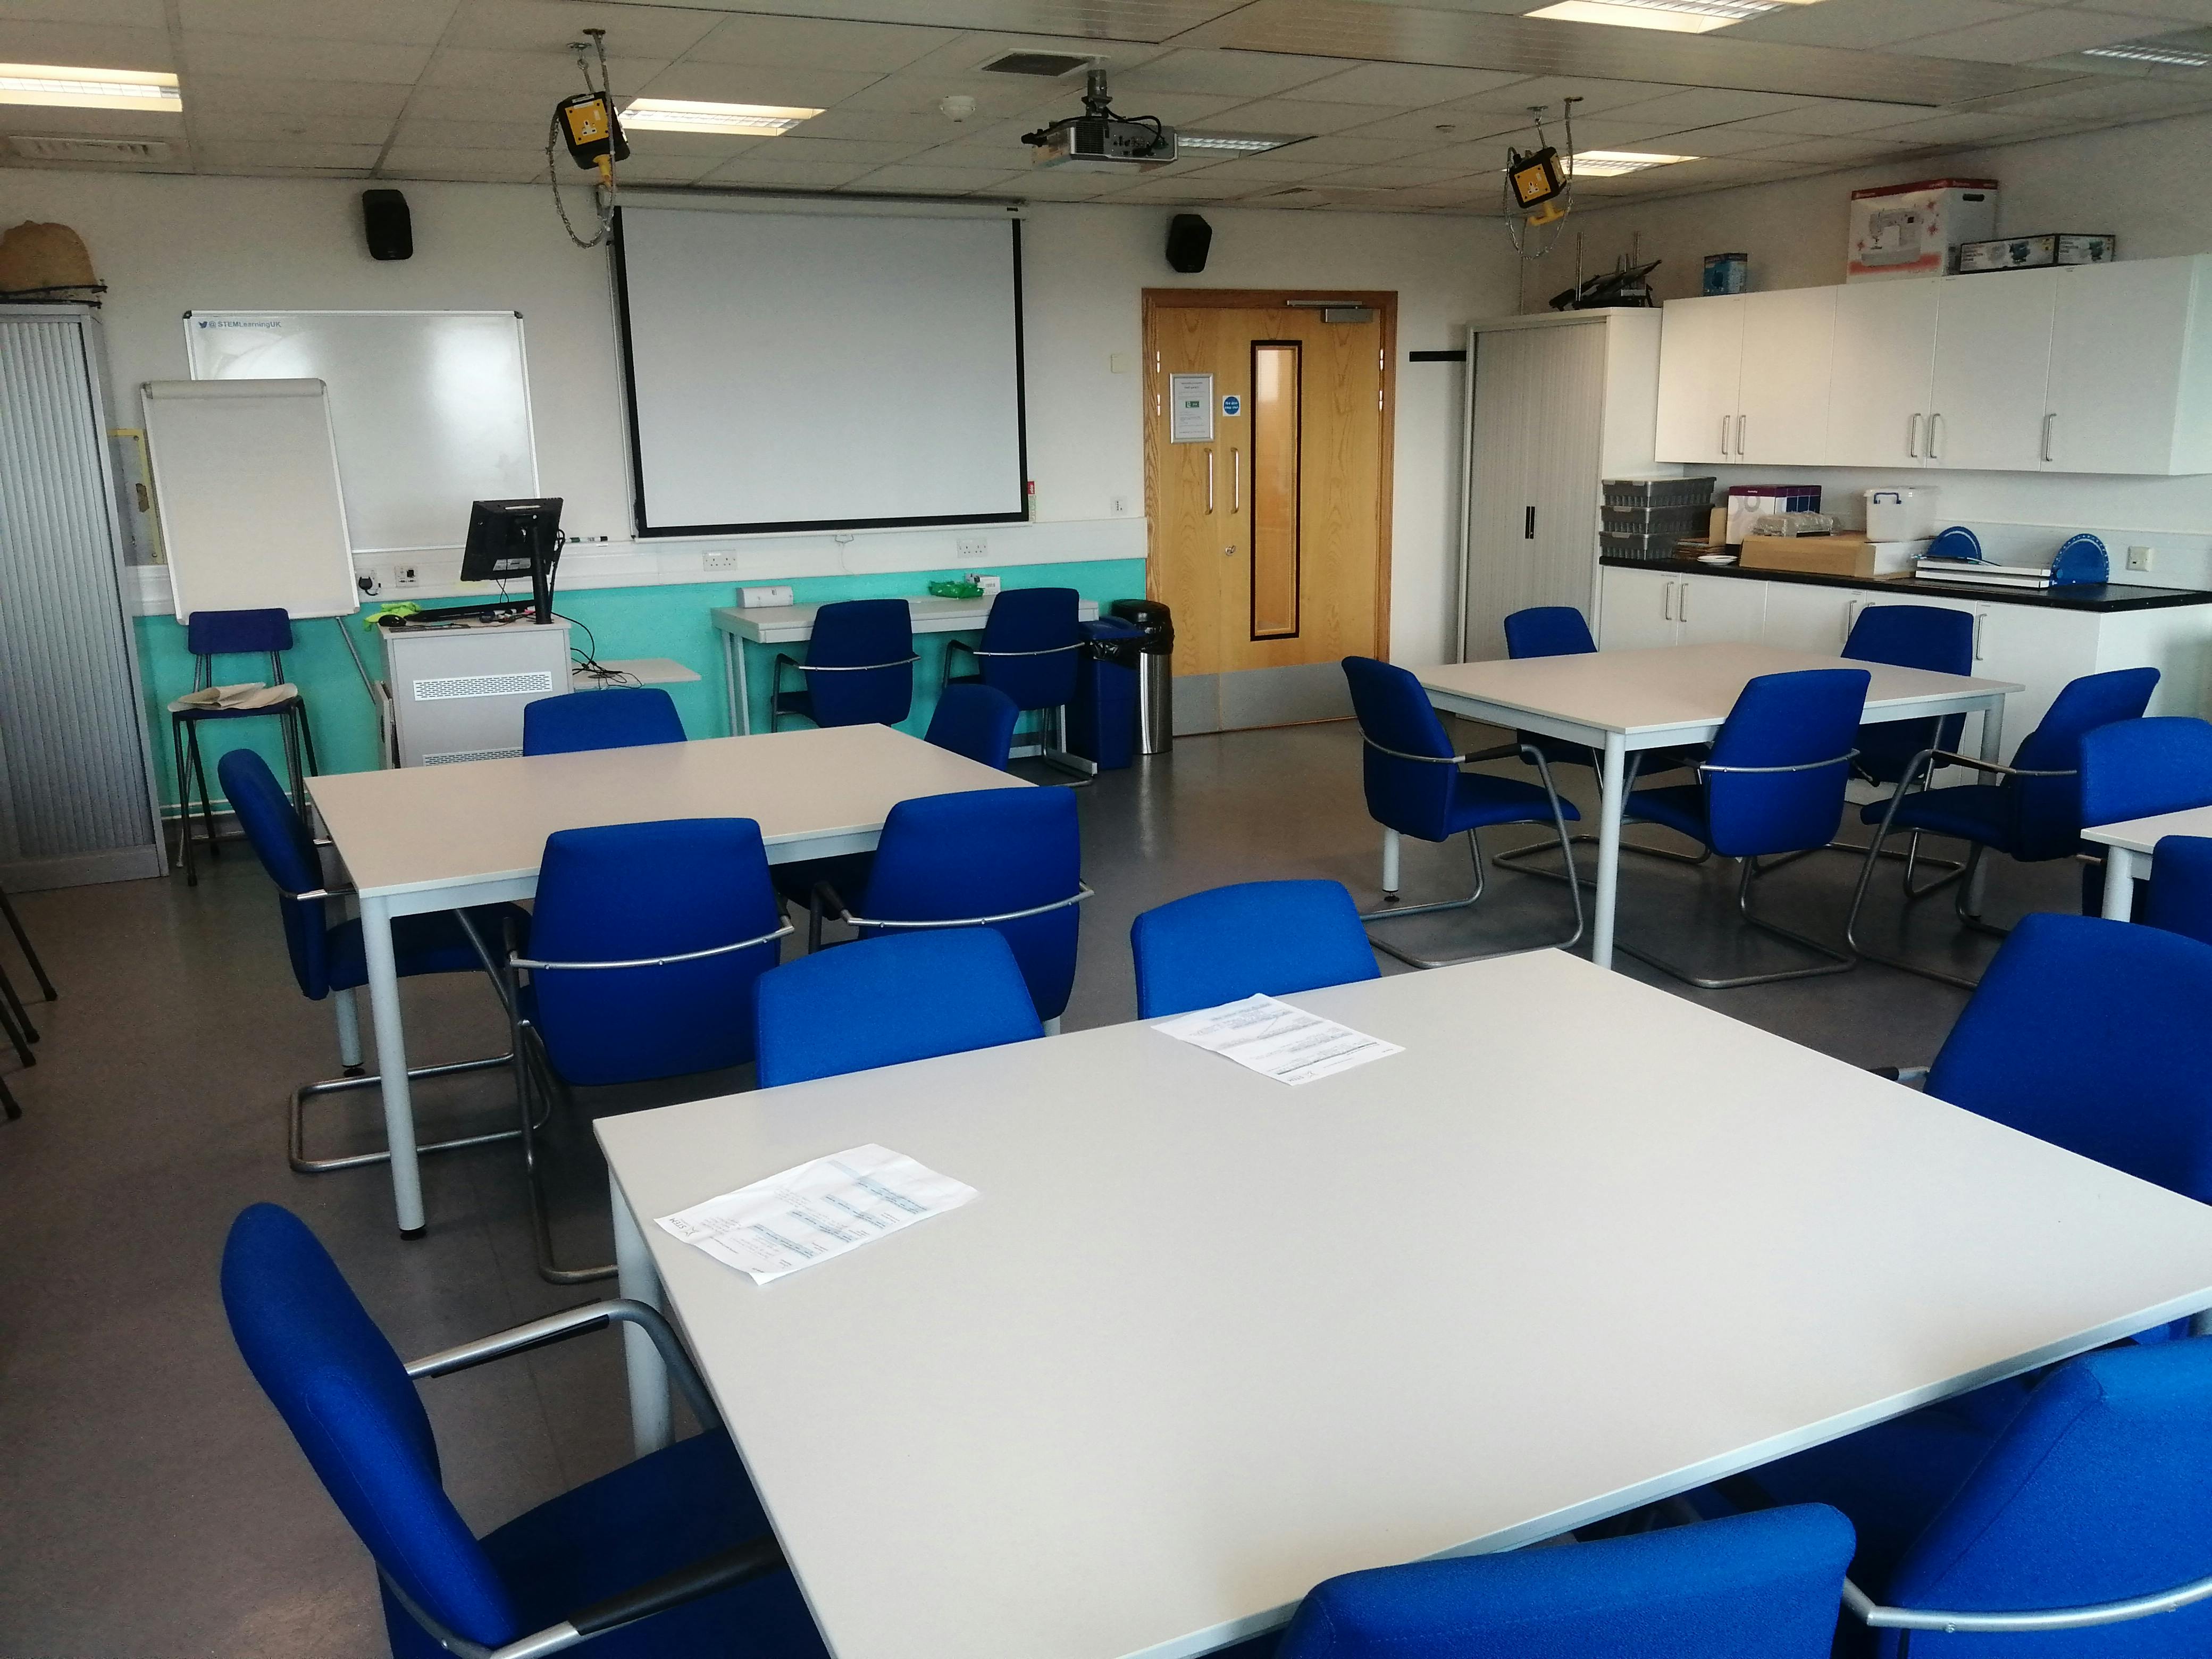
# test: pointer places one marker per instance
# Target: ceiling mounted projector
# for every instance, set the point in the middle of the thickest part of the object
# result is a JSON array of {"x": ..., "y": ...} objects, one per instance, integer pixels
[{"x": 1098, "y": 140}]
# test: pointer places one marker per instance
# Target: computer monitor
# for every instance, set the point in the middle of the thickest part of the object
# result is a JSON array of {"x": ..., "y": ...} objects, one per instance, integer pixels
[{"x": 508, "y": 539}]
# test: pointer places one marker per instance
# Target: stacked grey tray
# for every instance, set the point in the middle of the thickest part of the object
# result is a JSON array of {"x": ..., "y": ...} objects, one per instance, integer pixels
[{"x": 1643, "y": 517}]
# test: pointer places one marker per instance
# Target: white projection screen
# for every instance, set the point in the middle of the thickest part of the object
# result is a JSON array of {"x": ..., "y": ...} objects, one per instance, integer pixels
[{"x": 807, "y": 370}]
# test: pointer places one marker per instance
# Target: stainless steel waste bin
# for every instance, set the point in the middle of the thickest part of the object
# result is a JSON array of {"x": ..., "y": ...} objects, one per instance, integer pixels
[{"x": 1155, "y": 673}]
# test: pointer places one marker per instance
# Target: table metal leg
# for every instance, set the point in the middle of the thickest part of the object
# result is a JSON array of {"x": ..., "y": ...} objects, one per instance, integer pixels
[
  {"x": 1992, "y": 749},
  {"x": 640, "y": 1281},
  {"x": 1613, "y": 799},
  {"x": 2121, "y": 867},
  {"x": 392, "y": 1064}
]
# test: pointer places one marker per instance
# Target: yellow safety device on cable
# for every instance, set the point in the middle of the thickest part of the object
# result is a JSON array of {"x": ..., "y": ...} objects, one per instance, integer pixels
[{"x": 591, "y": 133}]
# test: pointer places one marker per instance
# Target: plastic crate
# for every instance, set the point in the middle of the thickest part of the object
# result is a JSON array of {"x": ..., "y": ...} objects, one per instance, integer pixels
[
  {"x": 1658, "y": 520},
  {"x": 1659, "y": 492},
  {"x": 1619, "y": 545}
]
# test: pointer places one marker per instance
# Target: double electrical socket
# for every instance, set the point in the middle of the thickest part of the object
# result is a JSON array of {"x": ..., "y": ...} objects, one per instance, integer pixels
[{"x": 721, "y": 558}]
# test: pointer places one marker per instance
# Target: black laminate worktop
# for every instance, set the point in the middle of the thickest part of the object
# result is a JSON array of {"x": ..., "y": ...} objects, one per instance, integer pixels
[{"x": 2089, "y": 596}]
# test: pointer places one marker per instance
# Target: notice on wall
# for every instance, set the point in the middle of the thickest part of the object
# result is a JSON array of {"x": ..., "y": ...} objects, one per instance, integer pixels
[{"x": 1190, "y": 409}]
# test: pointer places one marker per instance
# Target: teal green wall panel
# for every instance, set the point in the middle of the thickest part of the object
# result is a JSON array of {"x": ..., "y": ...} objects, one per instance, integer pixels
[{"x": 614, "y": 623}]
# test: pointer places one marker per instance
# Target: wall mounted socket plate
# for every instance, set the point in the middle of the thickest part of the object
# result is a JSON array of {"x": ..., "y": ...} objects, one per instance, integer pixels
[
  {"x": 719, "y": 558},
  {"x": 757, "y": 598},
  {"x": 988, "y": 584},
  {"x": 2141, "y": 558},
  {"x": 973, "y": 547},
  {"x": 406, "y": 575}
]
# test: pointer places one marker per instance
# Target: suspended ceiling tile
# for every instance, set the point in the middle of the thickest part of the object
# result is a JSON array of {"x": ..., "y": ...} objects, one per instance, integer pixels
[
  {"x": 1356, "y": 149},
  {"x": 928, "y": 180},
  {"x": 2178, "y": 11},
  {"x": 293, "y": 58},
  {"x": 97, "y": 48},
  {"x": 815, "y": 43},
  {"x": 1449, "y": 124},
  {"x": 1597, "y": 95},
  {"x": 1228, "y": 74},
  {"x": 2042, "y": 33},
  {"x": 402, "y": 22},
  {"x": 38, "y": 121},
  {"x": 273, "y": 170},
  {"x": 261, "y": 127},
  {"x": 220, "y": 154},
  {"x": 251, "y": 95},
  {"x": 2110, "y": 100},
  {"x": 1724, "y": 138},
  {"x": 1868, "y": 23},
  {"x": 402, "y": 162},
  {"x": 909, "y": 126},
  {"x": 1839, "y": 151},
  {"x": 1139, "y": 21},
  {"x": 742, "y": 83},
  {"x": 1177, "y": 109},
  {"x": 423, "y": 132},
  {"x": 1397, "y": 175},
  {"x": 1276, "y": 167},
  {"x": 545, "y": 76},
  {"x": 1054, "y": 185},
  {"x": 1960, "y": 128},
  {"x": 659, "y": 31},
  {"x": 1708, "y": 105},
  {"x": 1402, "y": 85},
  {"x": 89, "y": 14},
  {"x": 996, "y": 97},
  {"x": 1834, "y": 118},
  {"x": 835, "y": 152},
  {"x": 756, "y": 169},
  {"x": 959, "y": 52},
  {"x": 1196, "y": 189},
  {"x": 669, "y": 147},
  {"x": 1293, "y": 115},
  {"x": 483, "y": 103}
]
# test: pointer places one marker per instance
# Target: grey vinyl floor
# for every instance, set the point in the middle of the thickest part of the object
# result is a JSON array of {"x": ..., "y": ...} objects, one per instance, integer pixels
[{"x": 152, "y": 1505}]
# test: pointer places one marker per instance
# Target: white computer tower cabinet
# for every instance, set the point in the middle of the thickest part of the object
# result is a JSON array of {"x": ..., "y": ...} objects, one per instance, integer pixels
[{"x": 458, "y": 694}]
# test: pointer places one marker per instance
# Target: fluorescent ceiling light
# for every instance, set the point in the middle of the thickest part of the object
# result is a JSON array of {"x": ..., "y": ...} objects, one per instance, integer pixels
[
  {"x": 2178, "y": 57},
  {"x": 1683, "y": 16},
  {"x": 1238, "y": 143},
  {"x": 89, "y": 89},
  {"x": 679, "y": 115},
  {"x": 1612, "y": 163}
]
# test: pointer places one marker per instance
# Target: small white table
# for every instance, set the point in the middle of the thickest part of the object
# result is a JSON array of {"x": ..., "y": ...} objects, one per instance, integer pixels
[
  {"x": 1618, "y": 702},
  {"x": 794, "y": 624},
  {"x": 444, "y": 837},
  {"x": 2129, "y": 845},
  {"x": 633, "y": 671},
  {"x": 1203, "y": 1340}
]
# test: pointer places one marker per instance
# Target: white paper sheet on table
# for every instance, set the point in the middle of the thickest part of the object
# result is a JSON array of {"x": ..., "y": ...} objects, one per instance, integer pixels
[
  {"x": 816, "y": 1211},
  {"x": 1278, "y": 1041}
]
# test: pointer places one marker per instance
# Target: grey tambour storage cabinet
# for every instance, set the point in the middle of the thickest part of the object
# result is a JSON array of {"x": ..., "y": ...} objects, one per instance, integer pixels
[{"x": 76, "y": 802}]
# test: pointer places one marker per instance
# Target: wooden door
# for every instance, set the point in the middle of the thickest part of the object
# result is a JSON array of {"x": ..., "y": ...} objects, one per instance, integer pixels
[
  {"x": 1700, "y": 376},
  {"x": 1270, "y": 529},
  {"x": 1781, "y": 408},
  {"x": 1992, "y": 369}
]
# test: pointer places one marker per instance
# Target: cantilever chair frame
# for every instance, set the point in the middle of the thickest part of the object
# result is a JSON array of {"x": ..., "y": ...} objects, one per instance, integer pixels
[
  {"x": 1535, "y": 757},
  {"x": 1970, "y": 919},
  {"x": 784, "y": 660},
  {"x": 751, "y": 1559},
  {"x": 1834, "y": 961},
  {"x": 534, "y": 1074},
  {"x": 15, "y": 1018},
  {"x": 1870, "y": 1613},
  {"x": 1057, "y": 753},
  {"x": 1515, "y": 858}
]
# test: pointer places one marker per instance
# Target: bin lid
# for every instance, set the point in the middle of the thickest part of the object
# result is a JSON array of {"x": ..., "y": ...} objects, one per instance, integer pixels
[
  {"x": 1141, "y": 610},
  {"x": 1112, "y": 628}
]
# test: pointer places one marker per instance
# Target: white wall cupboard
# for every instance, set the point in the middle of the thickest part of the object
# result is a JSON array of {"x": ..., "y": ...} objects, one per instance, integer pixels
[{"x": 1739, "y": 365}]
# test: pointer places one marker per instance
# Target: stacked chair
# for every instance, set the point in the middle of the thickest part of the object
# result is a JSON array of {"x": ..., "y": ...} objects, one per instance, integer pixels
[{"x": 210, "y": 636}]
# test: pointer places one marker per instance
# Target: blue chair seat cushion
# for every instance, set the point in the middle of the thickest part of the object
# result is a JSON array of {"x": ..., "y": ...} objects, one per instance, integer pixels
[
  {"x": 430, "y": 944},
  {"x": 1970, "y": 812},
  {"x": 1678, "y": 806},
  {"x": 1479, "y": 800},
  {"x": 666, "y": 1511}
]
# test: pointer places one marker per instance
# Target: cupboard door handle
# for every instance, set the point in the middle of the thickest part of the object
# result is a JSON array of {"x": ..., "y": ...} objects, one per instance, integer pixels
[
  {"x": 1724, "y": 427},
  {"x": 1236, "y": 481},
  {"x": 1742, "y": 426},
  {"x": 1936, "y": 437},
  {"x": 1980, "y": 617},
  {"x": 1667, "y": 603},
  {"x": 2048, "y": 420},
  {"x": 1682, "y": 604},
  {"x": 1528, "y": 523},
  {"x": 1209, "y": 481},
  {"x": 1912, "y": 436}
]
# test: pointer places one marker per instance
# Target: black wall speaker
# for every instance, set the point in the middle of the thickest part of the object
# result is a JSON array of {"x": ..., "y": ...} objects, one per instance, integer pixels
[
  {"x": 391, "y": 230},
  {"x": 1188, "y": 237}
]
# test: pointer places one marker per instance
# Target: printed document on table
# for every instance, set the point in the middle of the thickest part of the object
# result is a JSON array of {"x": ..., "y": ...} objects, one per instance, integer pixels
[
  {"x": 816, "y": 1211},
  {"x": 1278, "y": 1041}
]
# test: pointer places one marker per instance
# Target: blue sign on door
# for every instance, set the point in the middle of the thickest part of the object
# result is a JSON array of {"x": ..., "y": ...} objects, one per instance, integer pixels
[{"x": 1232, "y": 405}]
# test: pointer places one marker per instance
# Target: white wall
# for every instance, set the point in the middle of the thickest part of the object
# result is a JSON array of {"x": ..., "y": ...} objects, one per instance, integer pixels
[
  {"x": 165, "y": 244},
  {"x": 2145, "y": 183}
]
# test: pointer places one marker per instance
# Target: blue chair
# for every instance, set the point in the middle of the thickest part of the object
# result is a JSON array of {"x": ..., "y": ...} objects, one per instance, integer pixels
[
  {"x": 859, "y": 669},
  {"x": 2180, "y": 897},
  {"x": 976, "y": 721},
  {"x": 884, "y": 1001},
  {"x": 210, "y": 634},
  {"x": 1011, "y": 859},
  {"x": 620, "y": 717},
  {"x": 647, "y": 943},
  {"x": 1909, "y": 637},
  {"x": 599, "y": 1557},
  {"x": 2091, "y": 1494},
  {"x": 328, "y": 958},
  {"x": 1415, "y": 787},
  {"x": 1761, "y": 1586},
  {"x": 2033, "y": 814},
  {"x": 1032, "y": 651},
  {"x": 2137, "y": 769},
  {"x": 1774, "y": 785},
  {"x": 1257, "y": 937}
]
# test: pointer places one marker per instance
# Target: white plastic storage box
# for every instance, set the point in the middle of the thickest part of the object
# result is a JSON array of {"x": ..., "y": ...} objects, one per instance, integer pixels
[{"x": 1915, "y": 230}]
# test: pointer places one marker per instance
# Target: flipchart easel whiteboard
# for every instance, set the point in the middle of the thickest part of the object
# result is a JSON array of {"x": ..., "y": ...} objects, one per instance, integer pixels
[
  {"x": 245, "y": 478},
  {"x": 430, "y": 408}
]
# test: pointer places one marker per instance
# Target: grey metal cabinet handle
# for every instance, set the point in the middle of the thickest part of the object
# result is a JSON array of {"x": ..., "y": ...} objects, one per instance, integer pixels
[
  {"x": 1236, "y": 481},
  {"x": 1935, "y": 436},
  {"x": 2049, "y": 420},
  {"x": 1912, "y": 436},
  {"x": 1667, "y": 603},
  {"x": 1209, "y": 481},
  {"x": 1742, "y": 426}
]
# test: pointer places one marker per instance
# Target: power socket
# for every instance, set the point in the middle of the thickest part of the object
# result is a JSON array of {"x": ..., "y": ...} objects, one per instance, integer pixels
[
  {"x": 720, "y": 558},
  {"x": 2141, "y": 558},
  {"x": 973, "y": 547},
  {"x": 988, "y": 584},
  {"x": 753, "y": 599}
]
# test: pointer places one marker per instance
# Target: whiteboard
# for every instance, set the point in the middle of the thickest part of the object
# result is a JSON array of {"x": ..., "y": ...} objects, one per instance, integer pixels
[
  {"x": 245, "y": 478},
  {"x": 820, "y": 371},
  {"x": 431, "y": 408}
]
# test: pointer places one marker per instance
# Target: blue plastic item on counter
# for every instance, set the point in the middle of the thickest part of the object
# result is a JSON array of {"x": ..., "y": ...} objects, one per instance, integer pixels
[
  {"x": 2081, "y": 560},
  {"x": 1956, "y": 542}
]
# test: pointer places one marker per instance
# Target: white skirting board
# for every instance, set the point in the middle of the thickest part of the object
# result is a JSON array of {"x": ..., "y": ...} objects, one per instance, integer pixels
[{"x": 1259, "y": 696}]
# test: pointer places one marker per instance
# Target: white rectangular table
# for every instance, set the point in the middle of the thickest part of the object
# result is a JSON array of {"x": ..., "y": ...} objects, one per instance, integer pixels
[
  {"x": 1620, "y": 702},
  {"x": 794, "y": 624},
  {"x": 1204, "y": 1339},
  {"x": 445, "y": 837},
  {"x": 2128, "y": 847}
]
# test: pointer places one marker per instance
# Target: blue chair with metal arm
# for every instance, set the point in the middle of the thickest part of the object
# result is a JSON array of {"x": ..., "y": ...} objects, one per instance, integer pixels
[
  {"x": 1415, "y": 787},
  {"x": 620, "y": 717},
  {"x": 210, "y": 634},
  {"x": 2032, "y": 814},
  {"x": 1257, "y": 937},
  {"x": 976, "y": 721},
  {"x": 2140, "y": 769},
  {"x": 669, "y": 1557},
  {"x": 646, "y": 945},
  {"x": 888, "y": 1000},
  {"x": 1774, "y": 785},
  {"x": 859, "y": 669},
  {"x": 1909, "y": 637},
  {"x": 1032, "y": 651},
  {"x": 328, "y": 958},
  {"x": 1763, "y": 1586},
  {"x": 1008, "y": 860},
  {"x": 2180, "y": 888},
  {"x": 2060, "y": 1530}
]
